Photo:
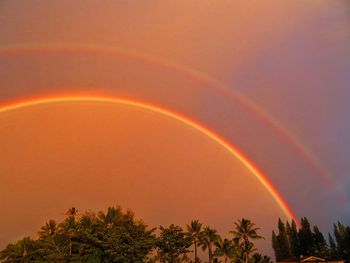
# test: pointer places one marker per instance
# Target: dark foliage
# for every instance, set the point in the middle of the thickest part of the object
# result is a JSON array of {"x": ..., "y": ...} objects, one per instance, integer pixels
[
  {"x": 291, "y": 243},
  {"x": 116, "y": 236}
]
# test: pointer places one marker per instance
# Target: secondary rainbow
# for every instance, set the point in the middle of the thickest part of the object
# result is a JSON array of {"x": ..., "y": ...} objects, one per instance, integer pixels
[
  {"x": 170, "y": 114},
  {"x": 281, "y": 131}
]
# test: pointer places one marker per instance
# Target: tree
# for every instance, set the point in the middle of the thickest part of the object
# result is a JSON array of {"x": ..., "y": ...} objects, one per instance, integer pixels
[
  {"x": 294, "y": 242},
  {"x": 48, "y": 230},
  {"x": 208, "y": 238},
  {"x": 51, "y": 243},
  {"x": 111, "y": 218},
  {"x": 342, "y": 237},
  {"x": 321, "y": 247},
  {"x": 121, "y": 238},
  {"x": 112, "y": 237},
  {"x": 88, "y": 238},
  {"x": 225, "y": 249},
  {"x": 239, "y": 255},
  {"x": 276, "y": 247},
  {"x": 281, "y": 242},
  {"x": 193, "y": 232},
  {"x": 245, "y": 231},
  {"x": 172, "y": 244},
  {"x": 332, "y": 247},
  {"x": 247, "y": 249},
  {"x": 307, "y": 245},
  {"x": 22, "y": 251},
  {"x": 69, "y": 228}
]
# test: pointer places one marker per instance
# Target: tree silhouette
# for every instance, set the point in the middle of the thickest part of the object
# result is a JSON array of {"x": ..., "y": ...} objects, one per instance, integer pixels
[
  {"x": 225, "y": 249},
  {"x": 245, "y": 231},
  {"x": 208, "y": 238},
  {"x": 172, "y": 244},
  {"x": 193, "y": 232}
]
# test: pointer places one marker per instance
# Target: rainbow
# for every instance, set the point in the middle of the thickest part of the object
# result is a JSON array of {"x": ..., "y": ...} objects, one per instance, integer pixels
[
  {"x": 196, "y": 75},
  {"x": 262, "y": 178}
]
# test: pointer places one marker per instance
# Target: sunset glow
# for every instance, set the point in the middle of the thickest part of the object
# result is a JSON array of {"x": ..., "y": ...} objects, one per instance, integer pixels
[
  {"x": 225, "y": 112},
  {"x": 235, "y": 152},
  {"x": 294, "y": 142}
]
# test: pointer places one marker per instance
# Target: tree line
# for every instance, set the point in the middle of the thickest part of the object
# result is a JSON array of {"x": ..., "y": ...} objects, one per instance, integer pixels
[
  {"x": 292, "y": 243},
  {"x": 116, "y": 236}
]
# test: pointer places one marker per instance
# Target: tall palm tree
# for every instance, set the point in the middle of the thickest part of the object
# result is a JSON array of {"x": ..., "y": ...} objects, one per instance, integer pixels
[
  {"x": 225, "y": 249},
  {"x": 193, "y": 231},
  {"x": 69, "y": 227},
  {"x": 52, "y": 241},
  {"x": 247, "y": 249},
  {"x": 245, "y": 231},
  {"x": 208, "y": 238}
]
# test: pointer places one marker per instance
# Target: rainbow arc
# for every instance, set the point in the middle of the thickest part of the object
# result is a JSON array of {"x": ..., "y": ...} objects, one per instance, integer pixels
[
  {"x": 196, "y": 75},
  {"x": 235, "y": 152}
]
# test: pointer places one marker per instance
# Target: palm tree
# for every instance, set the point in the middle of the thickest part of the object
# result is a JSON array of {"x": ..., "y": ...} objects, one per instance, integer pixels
[
  {"x": 111, "y": 218},
  {"x": 69, "y": 227},
  {"x": 193, "y": 231},
  {"x": 225, "y": 249},
  {"x": 208, "y": 238},
  {"x": 49, "y": 229},
  {"x": 245, "y": 231},
  {"x": 72, "y": 212},
  {"x": 52, "y": 242},
  {"x": 247, "y": 249}
]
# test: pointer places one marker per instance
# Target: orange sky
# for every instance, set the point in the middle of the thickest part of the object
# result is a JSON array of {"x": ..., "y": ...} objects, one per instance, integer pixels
[
  {"x": 211, "y": 36},
  {"x": 92, "y": 155},
  {"x": 288, "y": 57}
]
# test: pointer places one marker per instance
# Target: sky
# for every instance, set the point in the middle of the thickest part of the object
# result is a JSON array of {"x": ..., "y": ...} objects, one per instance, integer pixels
[{"x": 269, "y": 77}]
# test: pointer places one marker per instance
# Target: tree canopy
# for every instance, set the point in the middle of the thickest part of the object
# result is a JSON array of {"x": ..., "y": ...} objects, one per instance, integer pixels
[
  {"x": 116, "y": 236},
  {"x": 292, "y": 243}
]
